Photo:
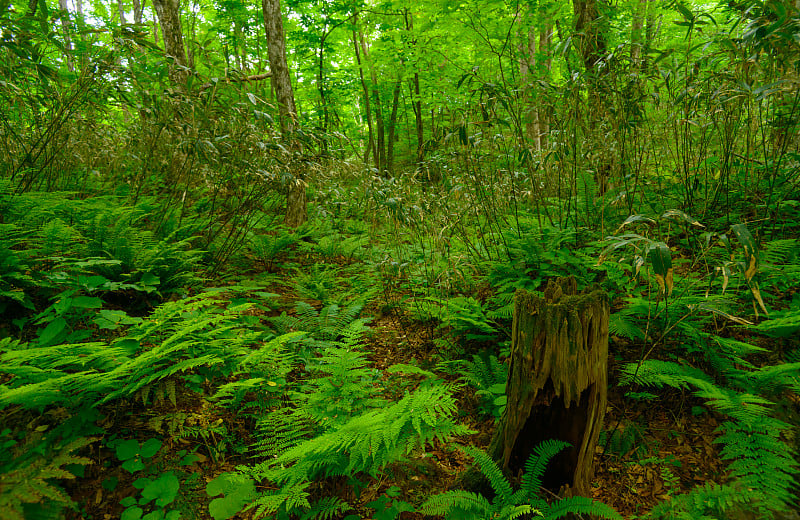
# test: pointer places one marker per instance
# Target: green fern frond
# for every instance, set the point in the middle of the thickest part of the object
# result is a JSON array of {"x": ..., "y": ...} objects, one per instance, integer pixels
[
  {"x": 326, "y": 508},
  {"x": 620, "y": 324},
  {"x": 29, "y": 482},
  {"x": 492, "y": 472},
  {"x": 580, "y": 506},
  {"x": 780, "y": 251},
  {"x": 288, "y": 498},
  {"x": 368, "y": 442},
  {"x": 280, "y": 430},
  {"x": 537, "y": 464},
  {"x": 444, "y": 503}
]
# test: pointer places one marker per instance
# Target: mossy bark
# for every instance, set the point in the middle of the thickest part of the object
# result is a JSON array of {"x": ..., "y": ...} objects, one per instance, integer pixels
[{"x": 557, "y": 384}]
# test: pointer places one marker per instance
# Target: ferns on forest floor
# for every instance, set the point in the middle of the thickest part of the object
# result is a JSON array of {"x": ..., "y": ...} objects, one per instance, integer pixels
[{"x": 508, "y": 503}]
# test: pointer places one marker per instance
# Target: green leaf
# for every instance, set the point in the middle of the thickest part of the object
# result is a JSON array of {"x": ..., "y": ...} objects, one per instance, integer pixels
[
  {"x": 87, "y": 302},
  {"x": 127, "y": 501},
  {"x": 127, "y": 449},
  {"x": 164, "y": 489},
  {"x": 52, "y": 331},
  {"x": 661, "y": 259},
  {"x": 133, "y": 465},
  {"x": 110, "y": 484},
  {"x": 132, "y": 513},
  {"x": 750, "y": 251},
  {"x": 238, "y": 490},
  {"x": 676, "y": 214},
  {"x": 150, "y": 279},
  {"x": 150, "y": 448}
]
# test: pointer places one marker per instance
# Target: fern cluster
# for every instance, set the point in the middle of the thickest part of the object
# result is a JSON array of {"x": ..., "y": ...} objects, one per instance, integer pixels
[
  {"x": 487, "y": 375},
  {"x": 165, "y": 344},
  {"x": 508, "y": 503},
  {"x": 364, "y": 444},
  {"x": 26, "y": 481},
  {"x": 760, "y": 459}
]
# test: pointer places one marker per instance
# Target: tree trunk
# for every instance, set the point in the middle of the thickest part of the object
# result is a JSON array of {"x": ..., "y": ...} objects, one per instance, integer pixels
[
  {"x": 650, "y": 33},
  {"x": 138, "y": 10},
  {"x": 591, "y": 40},
  {"x": 121, "y": 11},
  {"x": 379, "y": 152},
  {"x": 66, "y": 27},
  {"x": 380, "y": 141},
  {"x": 169, "y": 17},
  {"x": 392, "y": 127},
  {"x": 592, "y": 46},
  {"x": 637, "y": 39},
  {"x": 365, "y": 89},
  {"x": 417, "y": 106},
  {"x": 557, "y": 384},
  {"x": 323, "y": 103},
  {"x": 296, "y": 198},
  {"x": 276, "y": 50}
]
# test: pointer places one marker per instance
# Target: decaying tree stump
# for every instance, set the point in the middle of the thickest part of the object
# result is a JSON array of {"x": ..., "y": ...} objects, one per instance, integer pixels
[{"x": 557, "y": 384}]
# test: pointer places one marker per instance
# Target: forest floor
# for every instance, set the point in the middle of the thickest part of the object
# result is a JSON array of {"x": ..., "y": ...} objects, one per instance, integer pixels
[{"x": 672, "y": 448}]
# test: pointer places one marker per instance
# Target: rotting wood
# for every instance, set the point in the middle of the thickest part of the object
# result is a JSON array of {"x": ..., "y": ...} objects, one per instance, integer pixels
[{"x": 557, "y": 384}]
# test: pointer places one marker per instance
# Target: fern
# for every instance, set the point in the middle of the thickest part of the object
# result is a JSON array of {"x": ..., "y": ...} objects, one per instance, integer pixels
[
  {"x": 760, "y": 460},
  {"x": 488, "y": 376},
  {"x": 507, "y": 503},
  {"x": 326, "y": 326},
  {"x": 620, "y": 324},
  {"x": 326, "y": 508},
  {"x": 369, "y": 442},
  {"x": 28, "y": 481},
  {"x": 280, "y": 430},
  {"x": 160, "y": 347}
]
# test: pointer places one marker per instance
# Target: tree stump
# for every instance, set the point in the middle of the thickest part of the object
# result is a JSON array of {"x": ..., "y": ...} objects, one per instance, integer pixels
[{"x": 557, "y": 384}]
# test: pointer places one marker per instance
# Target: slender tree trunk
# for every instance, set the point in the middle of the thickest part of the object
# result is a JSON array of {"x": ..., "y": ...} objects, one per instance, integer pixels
[
  {"x": 592, "y": 46},
  {"x": 323, "y": 103},
  {"x": 296, "y": 198},
  {"x": 121, "y": 11},
  {"x": 392, "y": 127},
  {"x": 588, "y": 29},
  {"x": 526, "y": 49},
  {"x": 416, "y": 105},
  {"x": 365, "y": 89},
  {"x": 546, "y": 50},
  {"x": 379, "y": 152},
  {"x": 169, "y": 17},
  {"x": 276, "y": 50},
  {"x": 637, "y": 40},
  {"x": 66, "y": 27},
  {"x": 138, "y": 10},
  {"x": 652, "y": 28},
  {"x": 190, "y": 47},
  {"x": 380, "y": 143}
]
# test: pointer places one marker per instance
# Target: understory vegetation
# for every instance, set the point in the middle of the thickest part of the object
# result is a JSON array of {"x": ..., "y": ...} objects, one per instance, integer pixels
[{"x": 174, "y": 345}]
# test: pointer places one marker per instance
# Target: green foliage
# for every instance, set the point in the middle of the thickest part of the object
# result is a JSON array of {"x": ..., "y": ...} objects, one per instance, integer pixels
[
  {"x": 237, "y": 490},
  {"x": 267, "y": 246},
  {"x": 387, "y": 509},
  {"x": 28, "y": 479},
  {"x": 179, "y": 337},
  {"x": 488, "y": 376},
  {"x": 760, "y": 459},
  {"x": 365, "y": 443},
  {"x": 508, "y": 503},
  {"x": 329, "y": 324}
]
